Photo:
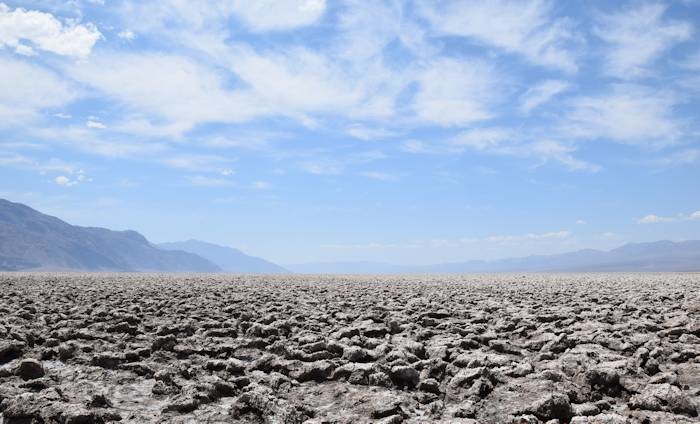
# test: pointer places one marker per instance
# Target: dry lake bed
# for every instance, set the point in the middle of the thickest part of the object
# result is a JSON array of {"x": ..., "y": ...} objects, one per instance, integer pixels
[{"x": 142, "y": 348}]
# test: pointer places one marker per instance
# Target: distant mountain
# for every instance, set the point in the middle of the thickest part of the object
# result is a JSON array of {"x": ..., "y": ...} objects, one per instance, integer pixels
[
  {"x": 643, "y": 257},
  {"x": 227, "y": 258},
  {"x": 32, "y": 240}
]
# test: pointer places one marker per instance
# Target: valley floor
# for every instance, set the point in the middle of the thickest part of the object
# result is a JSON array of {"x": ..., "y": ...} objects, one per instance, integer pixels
[{"x": 140, "y": 348}]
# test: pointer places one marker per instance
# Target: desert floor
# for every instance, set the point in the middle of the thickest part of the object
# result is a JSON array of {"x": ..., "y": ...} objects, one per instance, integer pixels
[{"x": 143, "y": 348}]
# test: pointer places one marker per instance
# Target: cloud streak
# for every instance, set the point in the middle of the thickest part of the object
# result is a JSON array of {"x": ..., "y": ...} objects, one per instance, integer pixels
[
  {"x": 656, "y": 219},
  {"x": 637, "y": 37},
  {"x": 527, "y": 28}
]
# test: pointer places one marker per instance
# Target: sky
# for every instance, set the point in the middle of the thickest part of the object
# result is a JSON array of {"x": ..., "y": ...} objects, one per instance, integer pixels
[{"x": 410, "y": 132}]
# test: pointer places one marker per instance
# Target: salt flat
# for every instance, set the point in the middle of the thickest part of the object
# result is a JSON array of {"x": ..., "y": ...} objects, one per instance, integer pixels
[{"x": 140, "y": 348}]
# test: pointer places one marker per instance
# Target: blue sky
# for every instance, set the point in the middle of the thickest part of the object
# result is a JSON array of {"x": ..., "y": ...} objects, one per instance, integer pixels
[{"x": 401, "y": 131}]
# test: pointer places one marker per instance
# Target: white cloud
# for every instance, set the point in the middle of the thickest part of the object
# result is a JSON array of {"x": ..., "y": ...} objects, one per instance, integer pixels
[
  {"x": 553, "y": 150},
  {"x": 90, "y": 141},
  {"x": 45, "y": 32},
  {"x": 629, "y": 114},
  {"x": 580, "y": 222},
  {"x": 367, "y": 28},
  {"x": 541, "y": 94},
  {"x": 254, "y": 140},
  {"x": 366, "y": 156},
  {"x": 381, "y": 176},
  {"x": 92, "y": 123},
  {"x": 681, "y": 157},
  {"x": 291, "y": 80},
  {"x": 507, "y": 239},
  {"x": 454, "y": 92},
  {"x": 204, "y": 181},
  {"x": 202, "y": 163},
  {"x": 170, "y": 87},
  {"x": 318, "y": 163},
  {"x": 271, "y": 15},
  {"x": 652, "y": 219},
  {"x": 299, "y": 81},
  {"x": 26, "y": 90},
  {"x": 24, "y": 50},
  {"x": 126, "y": 35},
  {"x": 483, "y": 138},
  {"x": 656, "y": 219},
  {"x": 525, "y": 27},
  {"x": 62, "y": 180},
  {"x": 367, "y": 133},
  {"x": 322, "y": 167},
  {"x": 506, "y": 142},
  {"x": 15, "y": 160},
  {"x": 637, "y": 37},
  {"x": 261, "y": 185},
  {"x": 40, "y": 165}
]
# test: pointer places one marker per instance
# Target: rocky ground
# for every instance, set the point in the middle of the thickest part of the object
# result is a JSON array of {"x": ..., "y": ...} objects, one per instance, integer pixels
[{"x": 475, "y": 349}]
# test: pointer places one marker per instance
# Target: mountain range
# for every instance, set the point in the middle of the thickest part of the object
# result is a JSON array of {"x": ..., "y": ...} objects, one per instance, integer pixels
[
  {"x": 226, "y": 258},
  {"x": 31, "y": 240},
  {"x": 656, "y": 256}
]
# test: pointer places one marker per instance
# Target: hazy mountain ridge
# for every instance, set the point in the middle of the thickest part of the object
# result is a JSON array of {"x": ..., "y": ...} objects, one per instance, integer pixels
[
  {"x": 653, "y": 257},
  {"x": 226, "y": 258},
  {"x": 32, "y": 240}
]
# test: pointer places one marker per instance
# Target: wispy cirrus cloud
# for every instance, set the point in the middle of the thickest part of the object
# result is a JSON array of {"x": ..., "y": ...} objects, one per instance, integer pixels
[
  {"x": 322, "y": 166},
  {"x": 199, "y": 162},
  {"x": 382, "y": 176},
  {"x": 541, "y": 94},
  {"x": 506, "y": 142},
  {"x": 166, "y": 87},
  {"x": 42, "y": 166},
  {"x": 638, "y": 36},
  {"x": 454, "y": 92},
  {"x": 528, "y": 28},
  {"x": 207, "y": 181},
  {"x": 629, "y": 114},
  {"x": 509, "y": 239},
  {"x": 275, "y": 15},
  {"x": 28, "y": 90}
]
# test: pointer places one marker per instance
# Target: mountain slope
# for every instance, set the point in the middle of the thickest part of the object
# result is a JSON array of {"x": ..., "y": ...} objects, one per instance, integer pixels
[
  {"x": 227, "y": 258},
  {"x": 32, "y": 240}
]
